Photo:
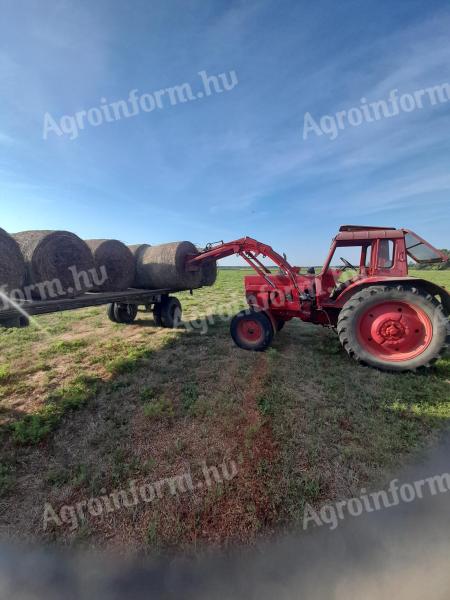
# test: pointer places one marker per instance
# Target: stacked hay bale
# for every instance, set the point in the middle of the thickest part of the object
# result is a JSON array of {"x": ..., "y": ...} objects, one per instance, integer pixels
[
  {"x": 114, "y": 263},
  {"x": 58, "y": 263},
  {"x": 164, "y": 267},
  {"x": 12, "y": 264},
  {"x": 137, "y": 250}
]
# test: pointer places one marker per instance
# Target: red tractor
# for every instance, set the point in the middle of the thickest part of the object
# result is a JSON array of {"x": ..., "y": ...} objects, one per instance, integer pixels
[{"x": 383, "y": 317}]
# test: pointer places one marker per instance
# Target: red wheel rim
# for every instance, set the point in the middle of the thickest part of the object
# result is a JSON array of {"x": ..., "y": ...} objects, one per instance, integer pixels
[
  {"x": 250, "y": 330},
  {"x": 395, "y": 331}
]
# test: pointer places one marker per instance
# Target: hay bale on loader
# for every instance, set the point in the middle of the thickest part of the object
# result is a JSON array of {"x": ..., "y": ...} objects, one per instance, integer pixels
[
  {"x": 12, "y": 264},
  {"x": 209, "y": 273},
  {"x": 163, "y": 267},
  {"x": 115, "y": 262},
  {"x": 208, "y": 270},
  {"x": 58, "y": 263}
]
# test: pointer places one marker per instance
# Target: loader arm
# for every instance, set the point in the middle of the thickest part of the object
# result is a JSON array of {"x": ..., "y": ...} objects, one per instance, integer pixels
[{"x": 249, "y": 249}]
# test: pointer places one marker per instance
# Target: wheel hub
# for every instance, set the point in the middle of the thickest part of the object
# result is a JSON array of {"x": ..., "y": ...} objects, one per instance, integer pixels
[
  {"x": 395, "y": 330},
  {"x": 392, "y": 331},
  {"x": 250, "y": 330}
]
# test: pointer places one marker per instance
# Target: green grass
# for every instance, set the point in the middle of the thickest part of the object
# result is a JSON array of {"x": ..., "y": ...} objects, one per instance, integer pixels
[
  {"x": 32, "y": 428},
  {"x": 158, "y": 409},
  {"x": 442, "y": 278},
  {"x": 5, "y": 373},
  {"x": 115, "y": 402},
  {"x": 189, "y": 395},
  {"x": 64, "y": 347},
  {"x": 6, "y": 478},
  {"x": 147, "y": 393},
  {"x": 325, "y": 410},
  {"x": 128, "y": 363}
]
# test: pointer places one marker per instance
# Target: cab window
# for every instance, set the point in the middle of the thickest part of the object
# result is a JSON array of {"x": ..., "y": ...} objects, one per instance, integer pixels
[
  {"x": 419, "y": 250},
  {"x": 385, "y": 254}
]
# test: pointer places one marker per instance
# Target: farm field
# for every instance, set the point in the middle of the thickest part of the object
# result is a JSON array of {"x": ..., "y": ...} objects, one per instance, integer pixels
[{"x": 88, "y": 406}]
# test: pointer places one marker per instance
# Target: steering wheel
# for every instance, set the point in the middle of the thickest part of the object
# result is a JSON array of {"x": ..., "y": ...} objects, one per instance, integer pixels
[{"x": 348, "y": 265}]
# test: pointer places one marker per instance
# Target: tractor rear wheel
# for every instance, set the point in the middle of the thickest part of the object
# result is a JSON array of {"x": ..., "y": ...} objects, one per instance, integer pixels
[
  {"x": 393, "y": 328},
  {"x": 252, "y": 330}
]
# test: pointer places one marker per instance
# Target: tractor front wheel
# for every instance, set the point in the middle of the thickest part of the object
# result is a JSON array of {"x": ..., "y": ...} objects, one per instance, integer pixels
[
  {"x": 393, "y": 328},
  {"x": 280, "y": 323},
  {"x": 252, "y": 330}
]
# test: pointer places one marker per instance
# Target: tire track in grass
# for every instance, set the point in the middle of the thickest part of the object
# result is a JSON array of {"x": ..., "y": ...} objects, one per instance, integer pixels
[
  {"x": 240, "y": 509},
  {"x": 250, "y": 508}
]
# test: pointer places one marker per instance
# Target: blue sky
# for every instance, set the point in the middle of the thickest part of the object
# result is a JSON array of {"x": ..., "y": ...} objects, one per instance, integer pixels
[{"x": 230, "y": 164}]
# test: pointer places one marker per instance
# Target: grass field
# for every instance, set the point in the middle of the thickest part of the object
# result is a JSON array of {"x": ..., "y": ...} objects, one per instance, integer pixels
[{"x": 86, "y": 406}]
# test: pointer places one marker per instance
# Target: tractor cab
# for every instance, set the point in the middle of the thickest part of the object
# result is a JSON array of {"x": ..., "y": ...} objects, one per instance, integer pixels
[{"x": 367, "y": 252}]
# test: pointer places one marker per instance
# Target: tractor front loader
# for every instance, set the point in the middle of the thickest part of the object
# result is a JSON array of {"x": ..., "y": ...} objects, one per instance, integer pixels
[{"x": 384, "y": 318}]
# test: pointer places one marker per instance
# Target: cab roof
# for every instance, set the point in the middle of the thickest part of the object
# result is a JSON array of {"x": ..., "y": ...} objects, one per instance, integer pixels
[
  {"x": 416, "y": 247},
  {"x": 363, "y": 228}
]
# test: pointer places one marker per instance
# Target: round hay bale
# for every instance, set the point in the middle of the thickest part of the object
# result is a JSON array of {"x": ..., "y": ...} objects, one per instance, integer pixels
[
  {"x": 12, "y": 264},
  {"x": 58, "y": 263},
  {"x": 114, "y": 263},
  {"x": 163, "y": 267},
  {"x": 137, "y": 250},
  {"x": 209, "y": 272}
]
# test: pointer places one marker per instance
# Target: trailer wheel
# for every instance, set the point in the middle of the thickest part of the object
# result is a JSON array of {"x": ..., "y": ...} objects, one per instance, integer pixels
[
  {"x": 393, "y": 328},
  {"x": 171, "y": 312},
  {"x": 122, "y": 313},
  {"x": 125, "y": 313},
  {"x": 110, "y": 312},
  {"x": 252, "y": 330},
  {"x": 15, "y": 322},
  {"x": 157, "y": 314}
]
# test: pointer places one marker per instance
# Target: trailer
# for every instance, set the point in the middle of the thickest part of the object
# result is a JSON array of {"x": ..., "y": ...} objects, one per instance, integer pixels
[{"x": 122, "y": 307}]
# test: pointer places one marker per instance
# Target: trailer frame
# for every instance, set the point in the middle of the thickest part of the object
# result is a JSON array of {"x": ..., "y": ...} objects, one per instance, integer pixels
[{"x": 153, "y": 300}]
